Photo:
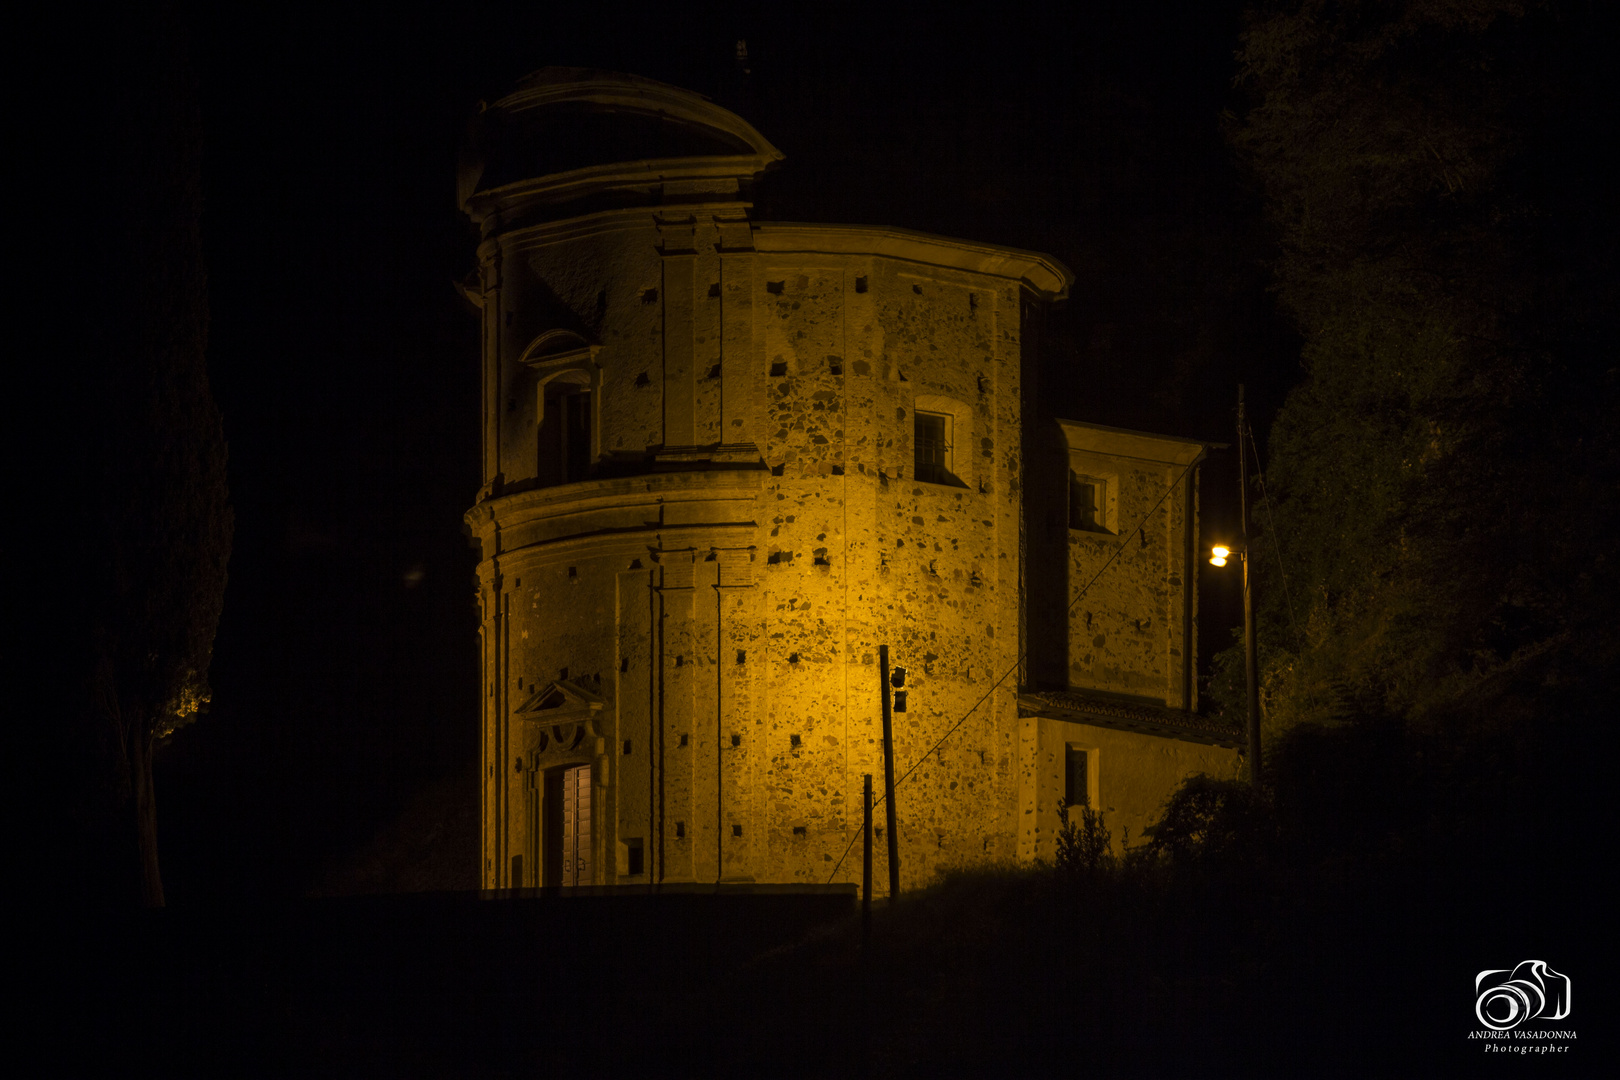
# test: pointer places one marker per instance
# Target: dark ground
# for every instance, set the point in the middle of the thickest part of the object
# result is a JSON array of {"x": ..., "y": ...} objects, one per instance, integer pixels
[
  {"x": 429, "y": 984},
  {"x": 1018, "y": 973}
]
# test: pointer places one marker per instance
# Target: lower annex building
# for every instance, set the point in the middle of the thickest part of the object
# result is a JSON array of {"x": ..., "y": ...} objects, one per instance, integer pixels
[{"x": 725, "y": 459}]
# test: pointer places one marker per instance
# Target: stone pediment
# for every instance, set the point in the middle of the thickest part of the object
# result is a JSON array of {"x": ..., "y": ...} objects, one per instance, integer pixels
[{"x": 565, "y": 713}]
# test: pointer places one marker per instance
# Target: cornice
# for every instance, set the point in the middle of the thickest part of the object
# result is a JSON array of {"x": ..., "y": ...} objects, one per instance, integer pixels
[
  {"x": 616, "y": 493},
  {"x": 1078, "y": 707},
  {"x": 560, "y": 187},
  {"x": 619, "y": 219},
  {"x": 1042, "y": 274},
  {"x": 654, "y": 536}
]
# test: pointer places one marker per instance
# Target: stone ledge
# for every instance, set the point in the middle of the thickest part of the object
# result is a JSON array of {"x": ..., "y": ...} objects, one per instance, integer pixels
[
  {"x": 676, "y": 888},
  {"x": 1080, "y": 708},
  {"x": 1042, "y": 273}
]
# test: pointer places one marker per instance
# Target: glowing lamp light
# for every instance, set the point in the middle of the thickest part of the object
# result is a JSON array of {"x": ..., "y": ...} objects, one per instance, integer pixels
[{"x": 1218, "y": 554}]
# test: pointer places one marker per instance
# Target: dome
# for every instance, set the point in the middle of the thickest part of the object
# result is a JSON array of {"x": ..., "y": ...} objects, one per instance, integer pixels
[{"x": 565, "y": 133}]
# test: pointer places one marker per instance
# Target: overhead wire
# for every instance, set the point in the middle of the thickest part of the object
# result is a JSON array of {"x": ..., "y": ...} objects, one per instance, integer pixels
[{"x": 1016, "y": 663}]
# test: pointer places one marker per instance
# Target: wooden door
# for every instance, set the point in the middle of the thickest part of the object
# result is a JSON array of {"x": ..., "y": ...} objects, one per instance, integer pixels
[{"x": 576, "y": 826}]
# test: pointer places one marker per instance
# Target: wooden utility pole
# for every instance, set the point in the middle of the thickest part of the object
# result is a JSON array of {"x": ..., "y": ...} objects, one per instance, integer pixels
[
  {"x": 1251, "y": 664},
  {"x": 866, "y": 864},
  {"x": 888, "y": 779},
  {"x": 864, "y": 1029}
]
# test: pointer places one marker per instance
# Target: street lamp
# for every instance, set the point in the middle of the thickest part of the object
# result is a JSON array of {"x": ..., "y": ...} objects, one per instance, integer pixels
[{"x": 1218, "y": 554}]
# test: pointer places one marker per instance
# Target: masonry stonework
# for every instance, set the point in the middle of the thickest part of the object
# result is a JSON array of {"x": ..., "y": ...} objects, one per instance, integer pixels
[{"x": 724, "y": 460}]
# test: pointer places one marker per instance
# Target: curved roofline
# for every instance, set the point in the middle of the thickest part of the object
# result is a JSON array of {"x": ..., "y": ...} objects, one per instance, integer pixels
[
  {"x": 558, "y": 85},
  {"x": 559, "y": 187},
  {"x": 1042, "y": 273}
]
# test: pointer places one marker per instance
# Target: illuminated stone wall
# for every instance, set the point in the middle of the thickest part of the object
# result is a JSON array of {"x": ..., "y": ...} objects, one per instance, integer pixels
[
  {"x": 1132, "y": 773},
  {"x": 698, "y": 618}
]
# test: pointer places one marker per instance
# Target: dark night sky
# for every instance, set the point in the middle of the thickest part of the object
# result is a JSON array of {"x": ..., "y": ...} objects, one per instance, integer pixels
[{"x": 346, "y": 364}]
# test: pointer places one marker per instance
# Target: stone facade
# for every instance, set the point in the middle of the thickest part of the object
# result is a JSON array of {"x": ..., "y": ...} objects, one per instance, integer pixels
[{"x": 725, "y": 459}]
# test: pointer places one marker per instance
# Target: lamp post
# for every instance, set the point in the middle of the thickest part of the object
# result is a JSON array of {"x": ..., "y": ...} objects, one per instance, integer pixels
[
  {"x": 1217, "y": 557},
  {"x": 1251, "y": 665}
]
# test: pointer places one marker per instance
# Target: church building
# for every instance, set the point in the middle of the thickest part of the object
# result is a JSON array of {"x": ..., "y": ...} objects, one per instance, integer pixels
[{"x": 726, "y": 459}]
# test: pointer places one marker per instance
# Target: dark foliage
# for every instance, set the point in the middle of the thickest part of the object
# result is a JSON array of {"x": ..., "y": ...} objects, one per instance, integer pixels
[
  {"x": 147, "y": 529},
  {"x": 1083, "y": 846},
  {"x": 1444, "y": 480},
  {"x": 1209, "y": 820}
]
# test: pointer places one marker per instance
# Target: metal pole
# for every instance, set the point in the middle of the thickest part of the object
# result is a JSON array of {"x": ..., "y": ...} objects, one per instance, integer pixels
[
  {"x": 865, "y": 1026},
  {"x": 888, "y": 779},
  {"x": 866, "y": 865},
  {"x": 1251, "y": 664},
  {"x": 719, "y": 735}
]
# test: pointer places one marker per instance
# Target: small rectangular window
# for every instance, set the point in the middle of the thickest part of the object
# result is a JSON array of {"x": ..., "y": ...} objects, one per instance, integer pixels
[
  {"x": 932, "y": 444},
  {"x": 1076, "y": 782},
  {"x": 634, "y": 864},
  {"x": 564, "y": 440},
  {"x": 576, "y": 435},
  {"x": 1088, "y": 503}
]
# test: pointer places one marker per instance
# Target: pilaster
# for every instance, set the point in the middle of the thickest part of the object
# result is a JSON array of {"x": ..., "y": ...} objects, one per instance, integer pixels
[
  {"x": 489, "y": 264},
  {"x": 678, "y": 294},
  {"x": 738, "y": 374},
  {"x": 634, "y": 791},
  {"x": 676, "y": 670}
]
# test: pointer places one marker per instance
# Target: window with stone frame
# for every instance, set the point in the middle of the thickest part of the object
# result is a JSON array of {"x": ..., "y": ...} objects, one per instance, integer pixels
[
  {"x": 1088, "y": 503},
  {"x": 931, "y": 442},
  {"x": 565, "y": 433},
  {"x": 1076, "y": 777}
]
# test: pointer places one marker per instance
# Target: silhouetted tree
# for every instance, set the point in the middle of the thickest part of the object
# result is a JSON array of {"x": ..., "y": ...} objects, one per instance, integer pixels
[
  {"x": 1444, "y": 478},
  {"x": 154, "y": 529}
]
